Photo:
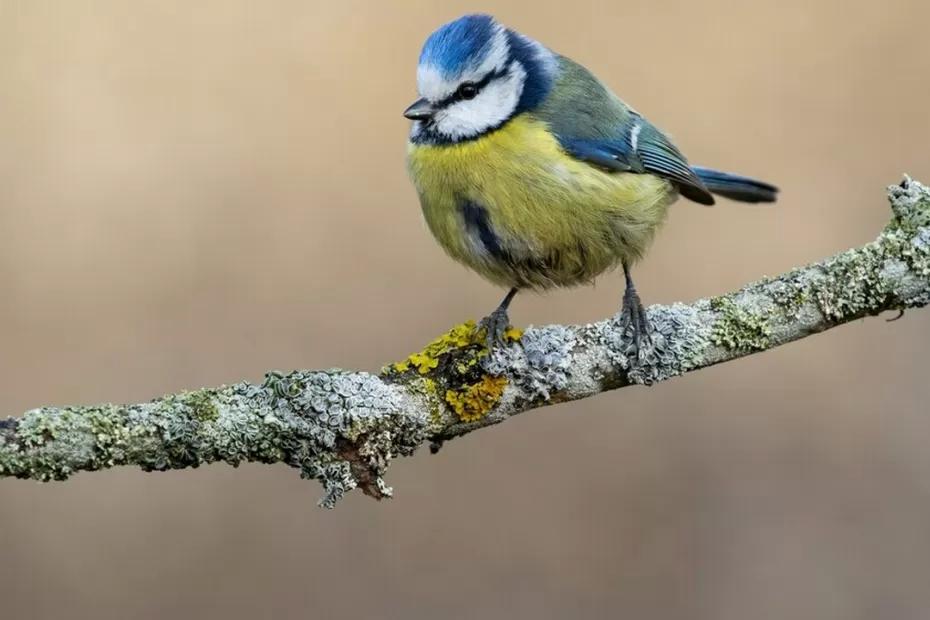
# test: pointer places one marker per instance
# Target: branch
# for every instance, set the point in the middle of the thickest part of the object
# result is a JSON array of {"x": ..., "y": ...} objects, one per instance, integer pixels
[{"x": 343, "y": 428}]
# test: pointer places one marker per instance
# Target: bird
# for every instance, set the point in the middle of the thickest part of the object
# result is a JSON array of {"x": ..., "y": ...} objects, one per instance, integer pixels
[{"x": 531, "y": 172}]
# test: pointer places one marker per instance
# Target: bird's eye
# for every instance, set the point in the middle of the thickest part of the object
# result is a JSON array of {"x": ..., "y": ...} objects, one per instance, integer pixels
[{"x": 468, "y": 91}]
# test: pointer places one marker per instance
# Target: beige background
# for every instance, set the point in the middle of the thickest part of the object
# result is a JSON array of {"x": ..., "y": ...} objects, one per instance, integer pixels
[{"x": 192, "y": 193}]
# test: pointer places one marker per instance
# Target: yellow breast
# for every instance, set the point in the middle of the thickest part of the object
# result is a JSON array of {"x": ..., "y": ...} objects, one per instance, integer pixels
[{"x": 514, "y": 206}]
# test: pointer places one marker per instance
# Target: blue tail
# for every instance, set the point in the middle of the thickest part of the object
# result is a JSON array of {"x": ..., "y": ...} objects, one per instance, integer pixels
[{"x": 736, "y": 187}]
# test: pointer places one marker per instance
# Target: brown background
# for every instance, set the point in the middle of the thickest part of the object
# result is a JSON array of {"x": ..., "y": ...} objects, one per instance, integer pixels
[{"x": 192, "y": 193}]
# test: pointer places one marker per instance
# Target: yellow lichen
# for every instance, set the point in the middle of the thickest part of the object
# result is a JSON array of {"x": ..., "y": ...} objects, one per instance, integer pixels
[
  {"x": 461, "y": 384},
  {"x": 423, "y": 362},
  {"x": 426, "y": 360},
  {"x": 473, "y": 402},
  {"x": 513, "y": 334}
]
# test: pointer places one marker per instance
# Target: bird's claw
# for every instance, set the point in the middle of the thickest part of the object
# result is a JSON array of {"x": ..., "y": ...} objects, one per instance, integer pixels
[
  {"x": 635, "y": 329},
  {"x": 495, "y": 326}
]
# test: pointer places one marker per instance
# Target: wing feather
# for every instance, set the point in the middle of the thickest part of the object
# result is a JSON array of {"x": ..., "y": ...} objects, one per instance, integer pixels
[{"x": 595, "y": 126}]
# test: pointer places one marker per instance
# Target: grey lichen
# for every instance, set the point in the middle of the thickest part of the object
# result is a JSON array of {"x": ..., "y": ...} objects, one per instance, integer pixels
[
  {"x": 740, "y": 326},
  {"x": 789, "y": 293},
  {"x": 685, "y": 332},
  {"x": 850, "y": 283},
  {"x": 675, "y": 344},
  {"x": 344, "y": 428},
  {"x": 910, "y": 204},
  {"x": 297, "y": 419},
  {"x": 539, "y": 365}
]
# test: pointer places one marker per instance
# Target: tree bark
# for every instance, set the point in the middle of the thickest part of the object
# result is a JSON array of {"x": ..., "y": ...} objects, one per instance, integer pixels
[{"x": 343, "y": 428}]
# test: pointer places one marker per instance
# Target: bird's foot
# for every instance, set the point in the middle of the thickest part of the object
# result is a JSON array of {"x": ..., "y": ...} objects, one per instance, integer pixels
[
  {"x": 495, "y": 326},
  {"x": 635, "y": 329}
]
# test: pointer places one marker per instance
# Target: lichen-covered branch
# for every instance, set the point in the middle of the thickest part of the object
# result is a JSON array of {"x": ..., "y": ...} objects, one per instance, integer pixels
[{"x": 343, "y": 428}]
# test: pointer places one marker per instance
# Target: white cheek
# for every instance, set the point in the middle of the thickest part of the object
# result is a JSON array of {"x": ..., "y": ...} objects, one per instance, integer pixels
[{"x": 493, "y": 105}]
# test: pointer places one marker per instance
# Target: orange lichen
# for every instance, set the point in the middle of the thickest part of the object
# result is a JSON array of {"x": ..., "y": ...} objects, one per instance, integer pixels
[{"x": 473, "y": 402}]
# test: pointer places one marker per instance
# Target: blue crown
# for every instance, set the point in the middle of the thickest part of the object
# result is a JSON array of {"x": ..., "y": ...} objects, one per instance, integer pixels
[{"x": 459, "y": 45}]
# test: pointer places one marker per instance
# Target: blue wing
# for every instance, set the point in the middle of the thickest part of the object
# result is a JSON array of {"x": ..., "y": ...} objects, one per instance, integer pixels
[
  {"x": 594, "y": 125},
  {"x": 638, "y": 146}
]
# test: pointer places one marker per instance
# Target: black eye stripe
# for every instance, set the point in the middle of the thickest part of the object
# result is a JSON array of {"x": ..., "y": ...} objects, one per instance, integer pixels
[{"x": 479, "y": 85}]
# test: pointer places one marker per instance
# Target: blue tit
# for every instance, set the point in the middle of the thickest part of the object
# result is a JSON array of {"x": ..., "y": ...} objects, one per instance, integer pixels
[{"x": 531, "y": 172}]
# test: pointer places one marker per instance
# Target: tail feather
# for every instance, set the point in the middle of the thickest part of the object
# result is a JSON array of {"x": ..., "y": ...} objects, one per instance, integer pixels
[{"x": 736, "y": 187}]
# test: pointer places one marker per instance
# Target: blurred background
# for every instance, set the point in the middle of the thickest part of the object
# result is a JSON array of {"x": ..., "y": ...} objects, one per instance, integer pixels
[{"x": 194, "y": 193}]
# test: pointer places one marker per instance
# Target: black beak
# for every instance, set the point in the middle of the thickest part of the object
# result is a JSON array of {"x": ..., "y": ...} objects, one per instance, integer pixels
[{"x": 421, "y": 110}]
